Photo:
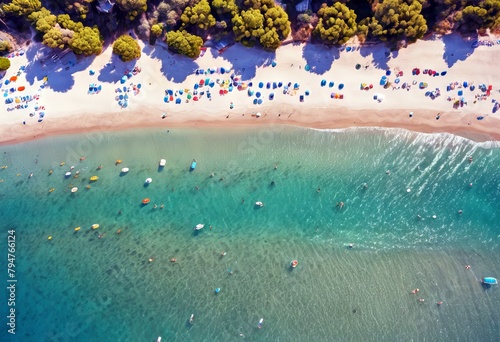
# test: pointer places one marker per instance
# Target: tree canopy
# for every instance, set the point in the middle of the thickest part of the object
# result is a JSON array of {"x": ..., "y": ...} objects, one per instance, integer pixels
[
  {"x": 199, "y": 15},
  {"x": 127, "y": 48},
  {"x": 132, "y": 7},
  {"x": 4, "y": 63},
  {"x": 184, "y": 43},
  {"x": 398, "y": 20},
  {"x": 337, "y": 23},
  {"x": 22, "y": 7}
]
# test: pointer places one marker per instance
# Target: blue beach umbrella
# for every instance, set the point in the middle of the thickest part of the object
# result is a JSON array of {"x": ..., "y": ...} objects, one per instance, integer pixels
[
  {"x": 259, "y": 101},
  {"x": 268, "y": 85},
  {"x": 280, "y": 84},
  {"x": 178, "y": 100},
  {"x": 331, "y": 84},
  {"x": 341, "y": 86},
  {"x": 273, "y": 64},
  {"x": 271, "y": 96},
  {"x": 254, "y": 101},
  {"x": 257, "y": 94},
  {"x": 165, "y": 99},
  {"x": 307, "y": 67},
  {"x": 261, "y": 84}
]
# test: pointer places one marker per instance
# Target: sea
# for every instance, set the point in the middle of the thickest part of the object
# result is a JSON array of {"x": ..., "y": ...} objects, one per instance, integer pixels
[{"x": 369, "y": 214}]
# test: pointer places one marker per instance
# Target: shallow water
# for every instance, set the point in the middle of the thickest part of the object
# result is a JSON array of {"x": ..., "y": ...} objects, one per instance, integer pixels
[{"x": 80, "y": 287}]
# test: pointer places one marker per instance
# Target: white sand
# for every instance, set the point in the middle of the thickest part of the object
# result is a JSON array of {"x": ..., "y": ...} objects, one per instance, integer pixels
[{"x": 69, "y": 108}]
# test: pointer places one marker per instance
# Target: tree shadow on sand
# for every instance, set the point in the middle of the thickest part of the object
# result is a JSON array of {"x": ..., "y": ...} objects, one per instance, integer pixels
[
  {"x": 115, "y": 69},
  {"x": 380, "y": 53},
  {"x": 60, "y": 72},
  {"x": 176, "y": 68},
  {"x": 319, "y": 57},
  {"x": 457, "y": 48},
  {"x": 245, "y": 61}
]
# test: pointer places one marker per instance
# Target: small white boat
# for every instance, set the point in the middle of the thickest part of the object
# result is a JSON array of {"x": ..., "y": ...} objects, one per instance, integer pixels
[
  {"x": 125, "y": 170},
  {"x": 259, "y": 204},
  {"x": 261, "y": 322},
  {"x": 148, "y": 180},
  {"x": 199, "y": 226},
  {"x": 67, "y": 174},
  {"x": 158, "y": 339},
  {"x": 191, "y": 319},
  {"x": 163, "y": 162},
  {"x": 75, "y": 189}
]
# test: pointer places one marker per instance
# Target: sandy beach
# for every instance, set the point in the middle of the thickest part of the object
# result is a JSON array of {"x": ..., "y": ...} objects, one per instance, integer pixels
[{"x": 304, "y": 84}]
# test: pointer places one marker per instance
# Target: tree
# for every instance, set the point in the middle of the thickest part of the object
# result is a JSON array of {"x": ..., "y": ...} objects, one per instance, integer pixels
[
  {"x": 4, "y": 63},
  {"x": 184, "y": 43},
  {"x": 54, "y": 38},
  {"x": 262, "y": 17},
  {"x": 22, "y": 7},
  {"x": 157, "y": 29},
  {"x": 5, "y": 45},
  {"x": 486, "y": 15},
  {"x": 198, "y": 15},
  {"x": 43, "y": 19},
  {"x": 337, "y": 23},
  {"x": 127, "y": 48},
  {"x": 224, "y": 6},
  {"x": 132, "y": 7},
  {"x": 398, "y": 20},
  {"x": 86, "y": 41}
]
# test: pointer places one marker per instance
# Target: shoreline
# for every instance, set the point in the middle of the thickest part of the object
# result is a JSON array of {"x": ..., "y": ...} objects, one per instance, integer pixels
[
  {"x": 70, "y": 108},
  {"x": 347, "y": 119}
]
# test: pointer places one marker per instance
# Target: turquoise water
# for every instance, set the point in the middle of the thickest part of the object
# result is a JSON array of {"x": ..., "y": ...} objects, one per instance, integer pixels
[{"x": 79, "y": 287}]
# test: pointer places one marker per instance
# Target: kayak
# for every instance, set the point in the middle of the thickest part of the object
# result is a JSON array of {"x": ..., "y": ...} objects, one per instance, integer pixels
[{"x": 193, "y": 165}]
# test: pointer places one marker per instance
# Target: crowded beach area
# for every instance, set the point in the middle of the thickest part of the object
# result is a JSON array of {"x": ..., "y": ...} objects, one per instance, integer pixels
[{"x": 440, "y": 84}]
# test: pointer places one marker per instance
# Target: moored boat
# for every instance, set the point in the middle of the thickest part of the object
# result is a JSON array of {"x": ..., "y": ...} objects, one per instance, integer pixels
[
  {"x": 95, "y": 226},
  {"x": 261, "y": 323},
  {"x": 125, "y": 170},
  {"x": 94, "y": 178},
  {"x": 490, "y": 281},
  {"x": 146, "y": 201},
  {"x": 75, "y": 189},
  {"x": 294, "y": 263},
  {"x": 193, "y": 165},
  {"x": 163, "y": 162},
  {"x": 67, "y": 174},
  {"x": 191, "y": 319},
  {"x": 259, "y": 204},
  {"x": 148, "y": 180},
  {"x": 199, "y": 226}
]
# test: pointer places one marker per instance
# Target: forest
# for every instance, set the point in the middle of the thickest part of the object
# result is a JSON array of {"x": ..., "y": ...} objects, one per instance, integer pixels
[{"x": 85, "y": 26}]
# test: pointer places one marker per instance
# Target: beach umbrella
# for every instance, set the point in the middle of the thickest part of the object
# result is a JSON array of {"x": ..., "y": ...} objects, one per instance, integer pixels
[
  {"x": 230, "y": 88},
  {"x": 331, "y": 84},
  {"x": 259, "y": 101},
  {"x": 301, "y": 98},
  {"x": 296, "y": 86},
  {"x": 195, "y": 98},
  {"x": 358, "y": 66},
  {"x": 323, "y": 83},
  {"x": 165, "y": 99},
  {"x": 189, "y": 96},
  {"x": 171, "y": 98},
  {"x": 341, "y": 86},
  {"x": 120, "y": 103},
  {"x": 271, "y": 96},
  {"x": 13, "y": 78},
  {"x": 250, "y": 92},
  {"x": 396, "y": 80},
  {"x": 388, "y": 73},
  {"x": 254, "y": 101},
  {"x": 196, "y": 86},
  {"x": 268, "y": 85},
  {"x": 222, "y": 70},
  {"x": 273, "y": 64},
  {"x": 307, "y": 67},
  {"x": 348, "y": 49},
  {"x": 465, "y": 84},
  {"x": 275, "y": 85},
  {"x": 120, "y": 97},
  {"x": 7, "y": 82},
  {"x": 261, "y": 84},
  {"x": 202, "y": 82},
  {"x": 257, "y": 94},
  {"x": 280, "y": 84},
  {"x": 307, "y": 93},
  {"x": 21, "y": 88},
  {"x": 178, "y": 100}
]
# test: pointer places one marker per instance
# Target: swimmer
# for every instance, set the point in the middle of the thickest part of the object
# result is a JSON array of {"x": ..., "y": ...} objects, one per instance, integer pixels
[
  {"x": 470, "y": 159},
  {"x": 31, "y": 174},
  {"x": 155, "y": 206},
  {"x": 273, "y": 183},
  {"x": 242, "y": 200},
  {"x": 415, "y": 291},
  {"x": 439, "y": 303},
  {"x": 421, "y": 300},
  {"x": 340, "y": 205},
  {"x": 212, "y": 175},
  {"x": 318, "y": 190},
  {"x": 275, "y": 166},
  {"x": 365, "y": 186},
  {"x": 77, "y": 172},
  {"x": 101, "y": 235},
  {"x": 388, "y": 172},
  {"x": 211, "y": 227},
  {"x": 82, "y": 158},
  {"x": 151, "y": 259},
  {"x": 161, "y": 206},
  {"x": 99, "y": 167},
  {"x": 119, "y": 231},
  {"x": 350, "y": 246},
  {"x": 72, "y": 167},
  {"x": 50, "y": 172},
  {"x": 470, "y": 185},
  {"x": 62, "y": 164},
  {"x": 222, "y": 253},
  {"x": 467, "y": 267},
  {"x": 460, "y": 211},
  {"x": 419, "y": 217},
  {"x": 197, "y": 187},
  {"x": 173, "y": 260}
]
